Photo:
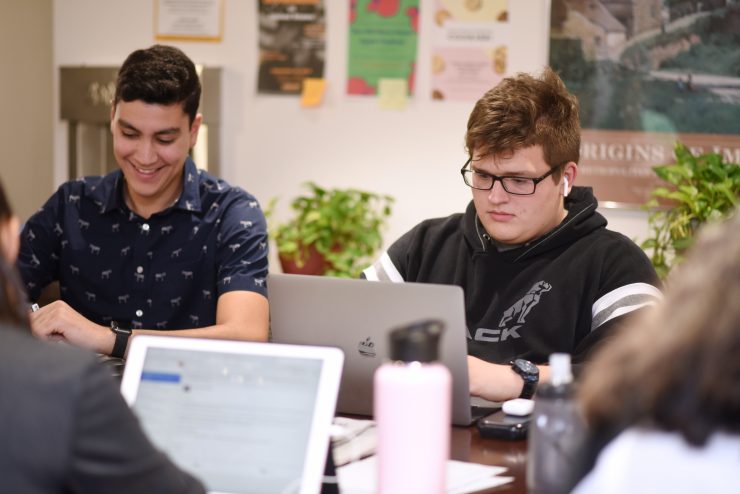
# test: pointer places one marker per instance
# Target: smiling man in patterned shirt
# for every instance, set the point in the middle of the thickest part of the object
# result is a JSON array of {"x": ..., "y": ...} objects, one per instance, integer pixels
[{"x": 157, "y": 245}]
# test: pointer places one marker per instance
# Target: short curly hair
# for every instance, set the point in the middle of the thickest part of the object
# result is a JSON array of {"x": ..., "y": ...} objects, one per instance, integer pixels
[
  {"x": 677, "y": 368},
  {"x": 524, "y": 111},
  {"x": 162, "y": 75}
]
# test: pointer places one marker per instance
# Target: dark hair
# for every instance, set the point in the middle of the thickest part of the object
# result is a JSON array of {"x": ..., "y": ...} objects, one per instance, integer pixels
[
  {"x": 160, "y": 74},
  {"x": 524, "y": 111},
  {"x": 678, "y": 368},
  {"x": 12, "y": 297},
  {"x": 6, "y": 212}
]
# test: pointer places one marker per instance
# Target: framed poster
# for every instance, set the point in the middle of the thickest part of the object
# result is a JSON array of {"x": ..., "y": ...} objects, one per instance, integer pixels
[
  {"x": 648, "y": 73},
  {"x": 189, "y": 20}
]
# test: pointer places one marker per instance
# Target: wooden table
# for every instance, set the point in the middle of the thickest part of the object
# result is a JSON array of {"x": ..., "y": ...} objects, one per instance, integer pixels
[{"x": 467, "y": 445}]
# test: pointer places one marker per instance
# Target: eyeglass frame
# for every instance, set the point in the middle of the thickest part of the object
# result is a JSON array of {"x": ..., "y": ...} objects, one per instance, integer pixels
[{"x": 496, "y": 178}]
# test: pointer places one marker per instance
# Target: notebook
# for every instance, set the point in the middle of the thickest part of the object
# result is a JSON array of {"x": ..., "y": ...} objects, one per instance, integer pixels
[
  {"x": 241, "y": 416},
  {"x": 356, "y": 316}
]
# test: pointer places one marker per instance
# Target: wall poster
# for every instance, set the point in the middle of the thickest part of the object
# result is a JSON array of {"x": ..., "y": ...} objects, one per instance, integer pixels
[
  {"x": 648, "y": 73},
  {"x": 382, "y": 43},
  {"x": 470, "y": 45},
  {"x": 292, "y": 42},
  {"x": 188, "y": 20}
]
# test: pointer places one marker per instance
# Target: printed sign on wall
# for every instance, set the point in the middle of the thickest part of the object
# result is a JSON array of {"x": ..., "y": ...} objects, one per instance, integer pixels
[
  {"x": 382, "y": 43},
  {"x": 470, "y": 46},
  {"x": 647, "y": 76},
  {"x": 292, "y": 44}
]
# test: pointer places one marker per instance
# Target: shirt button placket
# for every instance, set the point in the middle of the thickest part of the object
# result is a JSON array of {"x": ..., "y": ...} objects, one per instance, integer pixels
[
  {"x": 145, "y": 227},
  {"x": 139, "y": 270}
]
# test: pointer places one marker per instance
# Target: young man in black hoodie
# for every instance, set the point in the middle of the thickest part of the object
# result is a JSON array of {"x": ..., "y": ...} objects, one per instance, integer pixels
[{"x": 541, "y": 272}]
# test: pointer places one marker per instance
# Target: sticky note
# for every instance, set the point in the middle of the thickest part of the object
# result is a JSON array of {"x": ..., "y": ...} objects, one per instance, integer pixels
[
  {"x": 392, "y": 93},
  {"x": 313, "y": 92}
]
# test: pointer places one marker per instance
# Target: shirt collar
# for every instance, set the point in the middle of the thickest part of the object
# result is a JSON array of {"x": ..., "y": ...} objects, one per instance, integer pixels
[
  {"x": 190, "y": 198},
  {"x": 109, "y": 190}
]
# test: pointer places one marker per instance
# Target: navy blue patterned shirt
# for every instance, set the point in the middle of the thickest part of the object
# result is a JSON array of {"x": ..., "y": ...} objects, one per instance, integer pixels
[{"x": 165, "y": 272}]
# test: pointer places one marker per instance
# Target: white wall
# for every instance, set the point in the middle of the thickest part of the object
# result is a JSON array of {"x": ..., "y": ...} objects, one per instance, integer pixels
[
  {"x": 26, "y": 99},
  {"x": 270, "y": 145}
]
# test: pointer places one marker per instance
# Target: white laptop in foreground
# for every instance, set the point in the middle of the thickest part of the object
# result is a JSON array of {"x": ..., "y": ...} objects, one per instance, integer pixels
[
  {"x": 243, "y": 417},
  {"x": 357, "y": 315}
]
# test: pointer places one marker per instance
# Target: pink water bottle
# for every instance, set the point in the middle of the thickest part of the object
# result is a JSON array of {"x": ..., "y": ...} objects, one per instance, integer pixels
[{"x": 412, "y": 403}]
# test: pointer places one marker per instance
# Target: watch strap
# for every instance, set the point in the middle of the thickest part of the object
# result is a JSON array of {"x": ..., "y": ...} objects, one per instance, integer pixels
[
  {"x": 528, "y": 389},
  {"x": 122, "y": 336},
  {"x": 529, "y": 379}
]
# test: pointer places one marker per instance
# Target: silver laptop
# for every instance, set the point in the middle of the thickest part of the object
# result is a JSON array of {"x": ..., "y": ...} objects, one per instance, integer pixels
[
  {"x": 356, "y": 316},
  {"x": 243, "y": 417}
]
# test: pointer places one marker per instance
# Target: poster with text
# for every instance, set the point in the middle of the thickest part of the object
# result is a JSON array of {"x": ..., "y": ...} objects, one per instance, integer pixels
[
  {"x": 648, "y": 73},
  {"x": 382, "y": 43},
  {"x": 292, "y": 44},
  {"x": 470, "y": 46},
  {"x": 188, "y": 20}
]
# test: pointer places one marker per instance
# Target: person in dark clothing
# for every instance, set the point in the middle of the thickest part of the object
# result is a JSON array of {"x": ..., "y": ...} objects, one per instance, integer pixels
[
  {"x": 65, "y": 427},
  {"x": 540, "y": 271}
]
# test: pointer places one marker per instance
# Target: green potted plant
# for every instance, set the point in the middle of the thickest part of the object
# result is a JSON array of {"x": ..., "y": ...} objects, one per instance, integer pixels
[
  {"x": 704, "y": 188},
  {"x": 333, "y": 232}
]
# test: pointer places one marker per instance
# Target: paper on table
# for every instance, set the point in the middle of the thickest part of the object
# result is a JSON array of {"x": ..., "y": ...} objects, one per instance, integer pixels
[
  {"x": 352, "y": 439},
  {"x": 462, "y": 477}
]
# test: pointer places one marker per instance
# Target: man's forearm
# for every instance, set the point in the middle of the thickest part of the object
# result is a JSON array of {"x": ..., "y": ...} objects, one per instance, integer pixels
[{"x": 498, "y": 382}]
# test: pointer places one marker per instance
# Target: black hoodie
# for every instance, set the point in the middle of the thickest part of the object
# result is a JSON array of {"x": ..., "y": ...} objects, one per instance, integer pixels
[{"x": 562, "y": 292}]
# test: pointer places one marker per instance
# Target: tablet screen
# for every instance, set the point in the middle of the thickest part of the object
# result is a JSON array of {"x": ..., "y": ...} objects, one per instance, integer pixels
[{"x": 228, "y": 417}]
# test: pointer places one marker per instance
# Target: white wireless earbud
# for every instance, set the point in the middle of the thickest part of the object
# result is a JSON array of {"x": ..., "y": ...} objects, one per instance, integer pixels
[{"x": 565, "y": 186}]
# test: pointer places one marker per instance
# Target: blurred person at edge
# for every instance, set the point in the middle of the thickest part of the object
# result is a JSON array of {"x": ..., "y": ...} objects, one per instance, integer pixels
[
  {"x": 65, "y": 427},
  {"x": 664, "y": 395}
]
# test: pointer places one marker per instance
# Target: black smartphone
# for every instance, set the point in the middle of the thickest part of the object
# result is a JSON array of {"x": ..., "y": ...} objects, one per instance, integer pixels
[{"x": 499, "y": 425}]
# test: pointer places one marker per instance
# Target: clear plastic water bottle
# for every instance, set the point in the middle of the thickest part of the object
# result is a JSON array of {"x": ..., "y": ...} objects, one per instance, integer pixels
[
  {"x": 556, "y": 433},
  {"x": 412, "y": 407}
]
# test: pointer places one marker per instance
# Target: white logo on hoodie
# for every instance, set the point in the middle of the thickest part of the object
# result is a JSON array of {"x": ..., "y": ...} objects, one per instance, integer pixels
[{"x": 514, "y": 316}]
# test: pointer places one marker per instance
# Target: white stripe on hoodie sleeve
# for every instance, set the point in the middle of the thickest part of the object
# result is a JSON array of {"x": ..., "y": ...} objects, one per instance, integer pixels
[
  {"x": 383, "y": 270},
  {"x": 623, "y": 300}
]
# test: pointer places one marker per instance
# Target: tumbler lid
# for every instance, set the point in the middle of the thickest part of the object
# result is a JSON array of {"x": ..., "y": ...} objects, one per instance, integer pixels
[
  {"x": 560, "y": 372},
  {"x": 416, "y": 342}
]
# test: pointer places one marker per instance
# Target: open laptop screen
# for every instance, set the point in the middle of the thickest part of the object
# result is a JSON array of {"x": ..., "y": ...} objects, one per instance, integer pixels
[{"x": 242, "y": 422}]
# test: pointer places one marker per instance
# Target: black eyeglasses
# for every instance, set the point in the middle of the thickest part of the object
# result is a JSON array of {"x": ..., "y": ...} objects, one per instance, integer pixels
[{"x": 520, "y": 186}]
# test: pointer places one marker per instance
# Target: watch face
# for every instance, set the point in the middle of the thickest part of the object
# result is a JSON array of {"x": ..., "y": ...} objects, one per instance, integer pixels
[
  {"x": 117, "y": 329},
  {"x": 526, "y": 366}
]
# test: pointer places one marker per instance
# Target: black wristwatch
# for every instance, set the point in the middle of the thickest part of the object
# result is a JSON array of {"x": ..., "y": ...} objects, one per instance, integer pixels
[
  {"x": 122, "y": 336},
  {"x": 530, "y": 375}
]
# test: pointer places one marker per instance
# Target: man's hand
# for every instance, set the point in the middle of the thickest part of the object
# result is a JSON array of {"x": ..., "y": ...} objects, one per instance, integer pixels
[{"x": 58, "y": 321}]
